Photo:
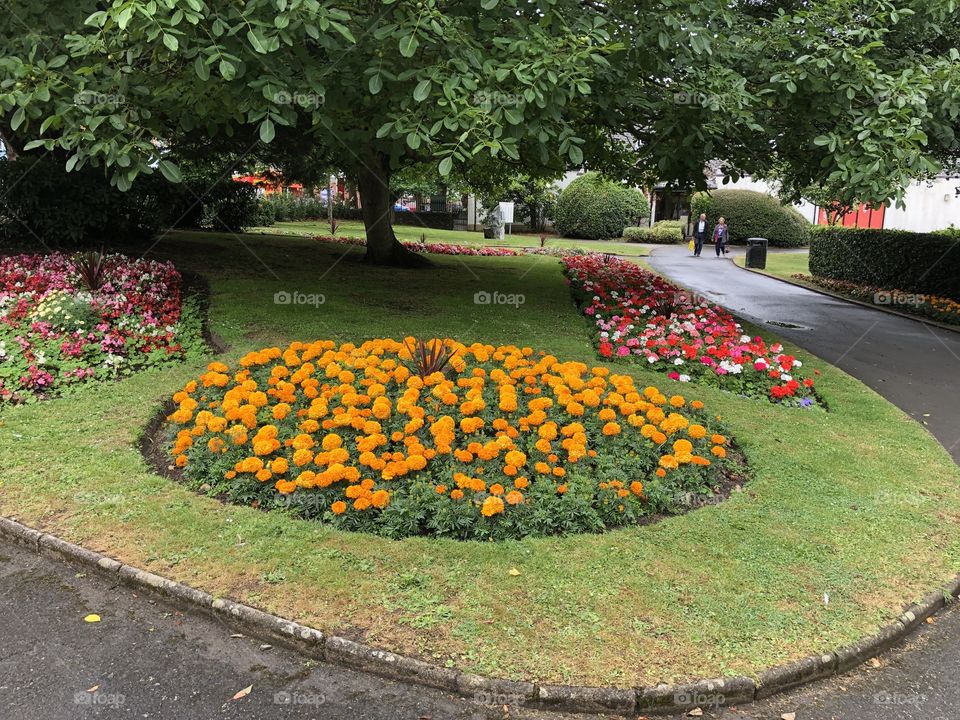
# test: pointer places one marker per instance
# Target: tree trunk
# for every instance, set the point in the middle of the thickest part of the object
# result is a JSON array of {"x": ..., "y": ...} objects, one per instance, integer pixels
[{"x": 383, "y": 248}]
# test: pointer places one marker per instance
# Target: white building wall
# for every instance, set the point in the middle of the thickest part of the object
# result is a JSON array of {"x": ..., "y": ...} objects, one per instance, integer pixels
[{"x": 930, "y": 206}]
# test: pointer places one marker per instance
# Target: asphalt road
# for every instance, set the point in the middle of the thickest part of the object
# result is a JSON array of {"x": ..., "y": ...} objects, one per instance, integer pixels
[{"x": 914, "y": 366}]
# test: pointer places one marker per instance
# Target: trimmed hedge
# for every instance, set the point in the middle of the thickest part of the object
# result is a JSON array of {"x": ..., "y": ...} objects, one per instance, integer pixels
[
  {"x": 895, "y": 259},
  {"x": 753, "y": 214},
  {"x": 44, "y": 205},
  {"x": 665, "y": 231},
  {"x": 595, "y": 208}
]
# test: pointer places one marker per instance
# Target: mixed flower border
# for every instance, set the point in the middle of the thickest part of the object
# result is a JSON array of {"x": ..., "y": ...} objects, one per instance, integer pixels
[
  {"x": 66, "y": 320},
  {"x": 643, "y": 317},
  {"x": 934, "y": 307},
  {"x": 435, "y": 248}
]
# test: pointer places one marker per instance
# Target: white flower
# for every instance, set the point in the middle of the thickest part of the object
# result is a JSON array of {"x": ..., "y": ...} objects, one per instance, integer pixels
[
  {"x": 744, "y": 338},
  {"x": 785, "y": 377},
  {"x": 797, "y": 363},
  {"x": 678, "y": 361},
  {"x": 731, "y": 367},
  {"x": 684, "y": 378}
]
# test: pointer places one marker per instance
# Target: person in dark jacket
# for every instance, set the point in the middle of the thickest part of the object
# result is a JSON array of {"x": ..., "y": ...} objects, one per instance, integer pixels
[
  {"x": 699, "y": 234},
  {"x": 720, "y": 236}
]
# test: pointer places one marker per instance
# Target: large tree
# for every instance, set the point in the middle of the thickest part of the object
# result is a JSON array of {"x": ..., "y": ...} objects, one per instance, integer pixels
[{"x": 858, "y": 94}]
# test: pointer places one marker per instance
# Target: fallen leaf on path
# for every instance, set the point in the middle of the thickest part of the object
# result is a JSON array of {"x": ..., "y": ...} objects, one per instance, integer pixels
[
  {"x": 92, "y": 618},
  {"x": 696, "y": 712},
  {"x": 929, "y": 621},
  {"x": 237, "y": 635},
  {"x": 514, "y": 572},
  {"x": 874, "y": 662},
  {"x": 93, "y": 689},
  {"x": 788, "y": 716},
  {"x": 243, "y": 693}
]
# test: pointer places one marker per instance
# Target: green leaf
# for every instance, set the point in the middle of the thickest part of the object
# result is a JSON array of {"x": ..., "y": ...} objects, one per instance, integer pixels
[
  {"x": 201, "y": 68},
  {"x": 257, "y": 41},
  {"x": 409, "y": 45},
  {"x": 422, "y": 91},
  {"x": 413, "y": 141},
  {"x": 170, "y": 171},
  {"x": 375, "y": 84},
  {"x": 488, "y": 4},
  {"x": 227, "y": 70},
  {"x": 514, "y": 116},
  {"x": 267, "y": 130},
  {"x": 34, "y": 144},
  {"x": 446, "y": 165},
  {"x": 17, "y": 120},
  {"x": 343, "y": 30},
  {"x": 575, "y": 154},
  {"x": 171, "y": 42}
]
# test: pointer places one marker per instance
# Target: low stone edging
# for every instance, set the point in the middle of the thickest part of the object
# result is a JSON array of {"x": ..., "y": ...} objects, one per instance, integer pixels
[{"x": 657, "y": 700}]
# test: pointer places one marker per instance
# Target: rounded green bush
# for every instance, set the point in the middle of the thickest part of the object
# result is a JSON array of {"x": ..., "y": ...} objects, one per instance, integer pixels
[
  {"x": 595, "y": 208},
  {"x": 753, "y": 214}
]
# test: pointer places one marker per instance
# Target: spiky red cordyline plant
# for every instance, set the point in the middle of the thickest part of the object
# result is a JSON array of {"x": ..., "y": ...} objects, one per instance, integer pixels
[
  {"x": 428, "y": 358},
  {"x": 92, "y": 269}
]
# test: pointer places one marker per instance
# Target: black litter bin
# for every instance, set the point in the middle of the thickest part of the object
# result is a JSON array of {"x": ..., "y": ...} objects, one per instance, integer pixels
[{"x": 757, "y": 253}]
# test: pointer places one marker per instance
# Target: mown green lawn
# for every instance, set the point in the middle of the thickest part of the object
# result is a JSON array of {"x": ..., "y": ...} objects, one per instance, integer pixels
[
  {"x": 783, "y": 265},
  {"x": 859, "y": 503},
  {"x": 407, "y": 233}
]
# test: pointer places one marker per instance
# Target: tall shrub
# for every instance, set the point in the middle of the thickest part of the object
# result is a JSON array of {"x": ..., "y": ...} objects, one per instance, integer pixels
[
  {"x": 594, "y": 208},
  {"x": 753, "y": 214}
]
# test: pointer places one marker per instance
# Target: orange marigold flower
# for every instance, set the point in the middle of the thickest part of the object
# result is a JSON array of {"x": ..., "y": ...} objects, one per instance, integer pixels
[
  {"x": 562, "y": 488},
  {"x": 520, "y": 483},
  {"x": 380, "y": 499},
  {"x": 441, "y": 489},
  {"x": 660, "y": 472},
  {"x": 339, "y": 507},
  {"x": 456, "y": 494},
  {"x": 611, "y": 428},
  {"x": 636, "y": 487},
  {"x": 718, "y": 439},
  {"x": 719, "y": 451},
  {"x": 677, "y": 401},
  {"x": 697, "y": 405},
  {"x": 514, "y": 497},
  {"x": 496, "y": 489},
  {"x": 492, "y": 506}
]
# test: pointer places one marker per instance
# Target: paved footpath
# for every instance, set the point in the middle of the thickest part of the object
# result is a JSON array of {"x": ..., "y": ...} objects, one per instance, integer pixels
[{"x": 914, "y": 366}]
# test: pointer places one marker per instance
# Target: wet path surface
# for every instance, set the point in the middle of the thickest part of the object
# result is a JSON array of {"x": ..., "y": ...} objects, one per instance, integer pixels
[{"x": 914, "y": 366}]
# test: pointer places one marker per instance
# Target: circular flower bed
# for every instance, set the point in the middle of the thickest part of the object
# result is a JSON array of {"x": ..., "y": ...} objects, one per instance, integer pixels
[{"x": 469, "y": 442}]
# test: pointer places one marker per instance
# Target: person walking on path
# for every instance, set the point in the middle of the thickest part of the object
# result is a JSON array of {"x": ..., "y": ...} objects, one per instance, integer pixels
[
  {"x": 699, "y": 234},
  {"x": 720, "y": 236}
]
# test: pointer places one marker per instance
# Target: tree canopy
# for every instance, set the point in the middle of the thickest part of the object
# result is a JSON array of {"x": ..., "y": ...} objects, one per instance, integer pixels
[{"x": 860, "y": 94}]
